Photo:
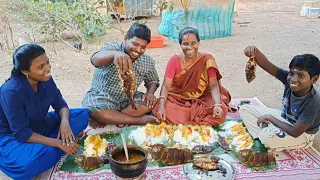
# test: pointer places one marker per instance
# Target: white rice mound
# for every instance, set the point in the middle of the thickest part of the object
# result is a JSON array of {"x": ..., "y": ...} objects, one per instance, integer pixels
[
  {"x": 193, "y": 139},
  {"x": 138, "y": 135}
]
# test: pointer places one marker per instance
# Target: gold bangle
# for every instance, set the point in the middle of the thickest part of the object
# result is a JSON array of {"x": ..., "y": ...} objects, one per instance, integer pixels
[
  {"x": 160, "y": 97},
  {"x": 217, "y": 105}
]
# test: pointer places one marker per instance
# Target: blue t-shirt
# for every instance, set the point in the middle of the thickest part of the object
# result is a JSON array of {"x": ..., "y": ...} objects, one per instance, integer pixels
[
  {"x": 305, "y": 109},
  {"x": 23, "y": 111}
]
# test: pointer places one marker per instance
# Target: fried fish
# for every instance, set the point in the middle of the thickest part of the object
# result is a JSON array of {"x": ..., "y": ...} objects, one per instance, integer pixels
[
  {"x": 202, "y": 149},
  {"x": 223, "y": 143},
  {"x": 208, "y": 163},
  {"x": 89, "y": 163},
  {"x": 257, "y": 159},
  {"x": 250, "y": 70},
  {"x": 128, "y": 85},
  {"x": 170, "y": 156}
]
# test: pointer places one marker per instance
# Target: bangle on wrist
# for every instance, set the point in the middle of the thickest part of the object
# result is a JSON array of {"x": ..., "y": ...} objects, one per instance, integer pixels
[
  {"x": 217, "y": 105},
  {"x": 162, "y": 97}
]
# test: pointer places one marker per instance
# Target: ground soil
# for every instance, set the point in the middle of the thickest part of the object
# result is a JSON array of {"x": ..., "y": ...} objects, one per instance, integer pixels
[{"x": 275, "y": 28}]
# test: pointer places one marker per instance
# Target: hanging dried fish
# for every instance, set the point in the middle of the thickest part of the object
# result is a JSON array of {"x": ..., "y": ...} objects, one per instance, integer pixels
[
  {"x": 253, "y": 158},
  {"x": 202, "y": 149},
  {"x": 208, "y": 163},
  {"x": 128, "y": 85},
  {"x": 170, "y": 156},
  {"x": 250, "y": 70}
]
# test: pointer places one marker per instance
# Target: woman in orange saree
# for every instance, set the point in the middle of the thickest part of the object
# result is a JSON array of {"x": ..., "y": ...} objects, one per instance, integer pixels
[{"x": 191, "y": 92}]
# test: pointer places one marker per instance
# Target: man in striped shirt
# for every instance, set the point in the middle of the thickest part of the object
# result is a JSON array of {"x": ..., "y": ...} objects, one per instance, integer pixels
[{"x": 105, "y": 100}]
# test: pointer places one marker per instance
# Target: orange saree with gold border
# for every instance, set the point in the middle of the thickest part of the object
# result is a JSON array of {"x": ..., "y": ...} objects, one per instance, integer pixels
[{"x": 189, "y": 99}]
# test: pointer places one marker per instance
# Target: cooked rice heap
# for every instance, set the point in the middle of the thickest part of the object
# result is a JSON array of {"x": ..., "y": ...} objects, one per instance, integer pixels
[
  {"x": 182, "y": 135},
  {"x": 236, "y": 134},
  {"x": 94, "y": 146}
]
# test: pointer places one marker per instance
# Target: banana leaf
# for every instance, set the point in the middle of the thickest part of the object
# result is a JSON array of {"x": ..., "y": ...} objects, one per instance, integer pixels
[
  {"x": 69, "y": 164},
  {"x": 169, "y": 143},
  {"x": 257, "y": 147},
  {"x": 235, "y": 155}
]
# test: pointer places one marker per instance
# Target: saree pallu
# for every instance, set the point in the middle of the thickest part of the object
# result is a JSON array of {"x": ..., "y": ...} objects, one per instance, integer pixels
[{"x": 189, "y": 99}]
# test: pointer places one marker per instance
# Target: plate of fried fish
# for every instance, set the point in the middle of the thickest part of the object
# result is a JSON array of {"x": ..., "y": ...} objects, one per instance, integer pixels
[{"x": 208, "y": 168}]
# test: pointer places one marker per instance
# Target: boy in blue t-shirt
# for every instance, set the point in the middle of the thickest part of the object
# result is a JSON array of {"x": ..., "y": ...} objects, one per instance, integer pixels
[{"x": 299, "y": 119}]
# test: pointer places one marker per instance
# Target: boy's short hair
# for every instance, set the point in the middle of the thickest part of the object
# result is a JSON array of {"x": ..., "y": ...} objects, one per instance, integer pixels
[
  {"x": 308, "y": 62},
  {"x": 140, "y": 31}
]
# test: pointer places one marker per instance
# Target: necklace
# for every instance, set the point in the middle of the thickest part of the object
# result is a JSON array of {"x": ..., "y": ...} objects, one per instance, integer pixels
[{"x": 184, "y": 60}]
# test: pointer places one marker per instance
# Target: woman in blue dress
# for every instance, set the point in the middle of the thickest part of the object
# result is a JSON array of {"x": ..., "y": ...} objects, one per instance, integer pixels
[{"x": 31, "y": 139}]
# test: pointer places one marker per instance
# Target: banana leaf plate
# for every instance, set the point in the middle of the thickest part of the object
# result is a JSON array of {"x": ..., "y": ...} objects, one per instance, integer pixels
[
  {"x": 257, "y": 147},
  {"x": 70, "y": 166}
]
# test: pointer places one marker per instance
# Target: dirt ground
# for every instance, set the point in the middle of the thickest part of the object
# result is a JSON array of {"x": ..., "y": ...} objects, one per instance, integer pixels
[{"x": 275, "y": 28}]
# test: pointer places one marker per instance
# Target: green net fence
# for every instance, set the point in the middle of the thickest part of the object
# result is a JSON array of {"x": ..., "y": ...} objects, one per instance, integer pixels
[{"x": 213, "y": 19}]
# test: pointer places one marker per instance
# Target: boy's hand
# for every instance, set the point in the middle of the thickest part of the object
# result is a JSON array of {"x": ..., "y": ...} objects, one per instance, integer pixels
[
  {"x": 263, "y": 120},
  {"x": 250, "y": 51}
]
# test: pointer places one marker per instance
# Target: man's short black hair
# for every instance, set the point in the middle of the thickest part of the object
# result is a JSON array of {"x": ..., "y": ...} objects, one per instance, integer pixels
[{"x": 140, "y": 31}]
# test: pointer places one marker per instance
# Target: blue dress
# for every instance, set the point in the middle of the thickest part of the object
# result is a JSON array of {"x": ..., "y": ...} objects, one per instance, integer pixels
[{"x": 22, "y": 112}]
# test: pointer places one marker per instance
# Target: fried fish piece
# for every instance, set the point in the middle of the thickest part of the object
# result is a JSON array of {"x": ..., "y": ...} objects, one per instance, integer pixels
[
  {"x": 250, "y": 70},
  {"x": 89, "y": 163},
  {"x": 207, "y": 163},
  {"x": 111, "y": 146},
  {"x": 257, "y": 159},
  {"x": 223, "y": 143},
  {"x": 202, "y": 149},
  {"x": 128, "y": 85},
  {"x": 170, "y": 156}
]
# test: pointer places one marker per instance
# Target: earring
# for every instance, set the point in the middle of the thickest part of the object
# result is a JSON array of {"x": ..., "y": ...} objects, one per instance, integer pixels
[{"x": 27, "y": 75}]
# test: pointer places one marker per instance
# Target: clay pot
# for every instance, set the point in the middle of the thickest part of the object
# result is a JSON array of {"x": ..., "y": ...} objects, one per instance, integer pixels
[{"x": 128, "y": 169}]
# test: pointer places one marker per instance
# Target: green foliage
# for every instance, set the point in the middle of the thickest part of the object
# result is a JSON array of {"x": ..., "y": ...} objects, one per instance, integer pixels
[
  {"x": 55, "y": 16},
  {"x": 161, "y": 5},
  {"x": 171, "y": 7}
]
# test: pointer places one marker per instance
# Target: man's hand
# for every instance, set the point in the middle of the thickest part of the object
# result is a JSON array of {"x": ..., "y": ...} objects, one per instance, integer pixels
[
  {"x": 71, "y": 150},
  {"x": 250, "y": 51},
  {"x": 122, "y": 61},
  {"x": 217, "y": 112},
  {"x": 150, "y": 98},
  {"x": 66, "y": 133}
]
